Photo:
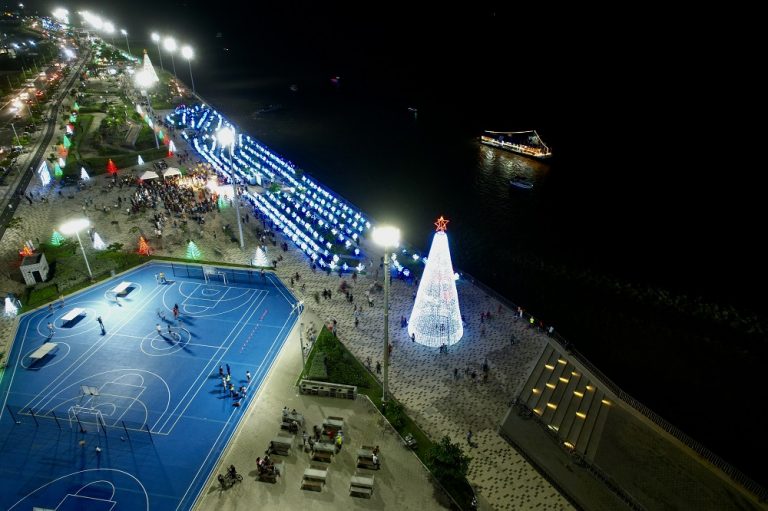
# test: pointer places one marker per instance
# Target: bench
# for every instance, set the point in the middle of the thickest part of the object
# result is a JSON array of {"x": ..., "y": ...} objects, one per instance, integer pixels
[
  {"x": 309, "y": 484},
  {"x": 69, "y": 316},
  {"x": 324, "y": 388},
  {"x": 366, "y": 463},
  {"x": 272, "y": 477},
  {"x": 42, "y": 351},
  {"x": 322, "y": 456},
  {"x": 121, "y": 289},
  {"x": 360, "y": 491}
]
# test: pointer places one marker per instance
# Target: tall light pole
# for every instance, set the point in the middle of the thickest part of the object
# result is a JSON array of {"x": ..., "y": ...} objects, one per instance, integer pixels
[
  {"x": 187, "y": 53},
  {"x": 156, "y": 38},
  {"x": 74, "y": 227},
  {"x": 125, "y": 33},
  {"x": 226, "y": 137},
  {"x": 18, "y": 142},
  {"x": 299, "y": 308},
  {"x": 170, "y": 46},
  {"x": 387, "y": 237}
]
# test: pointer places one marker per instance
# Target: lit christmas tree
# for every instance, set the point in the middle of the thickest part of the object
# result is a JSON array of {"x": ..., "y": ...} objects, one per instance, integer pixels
[
  {"x": 143, "y": 246},
  {"x": 43, "y": 173},
  {"x": 66, "y": 142},
  {"x": 193, "y": 252},
  {"x": 147, "y": 68},
  {"x": 70, "y": 129},
  {"x": 111, "y": 167},
  {"x": 57, "y": 172},
  {"x": 84, "y": 175},
  {"x": 436, "y": 318},
  {"x": 26, "y": 251},
  {"x": 141, "y": 160},
  {"x": 260, "y": 258},
  {"x": 73, "y": 118},
  {"x": 62, "y": 151},
  {"x": 171, "y": 148},
  {"x": 98, "y": 243},
  {"x": 76, "y": 107},
  {"x": 11, "y": 306},
  {"x": 222, "y": 202},
  {"x": 160, "y": 134},
  {"x": 62, "y": 163},
  {"x": 57, "y": 238}
]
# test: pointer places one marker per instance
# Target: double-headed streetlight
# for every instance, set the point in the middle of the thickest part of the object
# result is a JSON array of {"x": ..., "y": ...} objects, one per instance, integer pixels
[
  {"x": 74, "y": 227},
  {"x": 226, "y": 138},
  {"x": 170, "y": 46},
  {"x": 125, "y": 33},
  {"x": 156, "y": 39},
  {"x": 389, "y": 238},
  {"x": 187, "y": 53}
]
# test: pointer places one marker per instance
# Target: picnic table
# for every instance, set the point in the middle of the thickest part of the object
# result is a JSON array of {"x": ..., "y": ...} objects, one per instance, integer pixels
[
  {"x": 121, "y": 288},
  {"x": 281, "y": 445},
  {"x": 316, "y": 474},
  {"x": 360, "y": 486},
  {"x": 333, "y": 424},
  {"x": 293, "y": 417},
  {"x": 42, "y": 351},
  {"x": 69, "y": 316}
]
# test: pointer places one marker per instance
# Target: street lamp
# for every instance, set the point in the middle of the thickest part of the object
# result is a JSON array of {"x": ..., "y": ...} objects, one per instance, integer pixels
[
  {"x": 156, "y": 39},
  {"x": 170, "y": 46},
  {"x": 226, "y": 137},
  {"x": 74, "y": 227},
  {"x": 187, "y": 53},
  {"x": 125, "y": 33},
  {"x": 18, "y": 142},
  {"x": 109, "y": 28},
  {"x": 387, "y": 237},
  {"x": 144, "y": 80}
]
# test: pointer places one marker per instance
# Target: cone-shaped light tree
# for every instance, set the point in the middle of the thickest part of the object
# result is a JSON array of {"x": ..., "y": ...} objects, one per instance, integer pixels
[
  {"x": 57, "y": 239},
  {"x": 435, "y": 318},
  {"x": 143, "y": 246},
  {"x": 111, "y": 167},
  {"x": 193, "y": 252},
  {"x": 260, "y": 258},
  {"x": 98, "y": 243}
]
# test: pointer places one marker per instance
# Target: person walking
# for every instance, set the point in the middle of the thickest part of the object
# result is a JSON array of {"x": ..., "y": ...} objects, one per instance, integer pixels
[
  {"x": 229, "y": 371},
  {"x": 101, "y": 324},
  {"x": 248, "y": 376},
  {"x": 159, "y": 329},
  {"x": 378, "y": 367},
  {"x": 221, "y": 371},
  {"x": 469, "y": 437},
  {"x": 50, "y": 329}
]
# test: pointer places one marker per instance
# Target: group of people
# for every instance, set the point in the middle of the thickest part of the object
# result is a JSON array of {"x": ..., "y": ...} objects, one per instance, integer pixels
[{"x": 266, "y": 466}]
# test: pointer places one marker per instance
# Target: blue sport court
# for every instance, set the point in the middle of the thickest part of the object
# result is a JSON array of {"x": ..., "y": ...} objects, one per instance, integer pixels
[{"x": 135, "y": 418}]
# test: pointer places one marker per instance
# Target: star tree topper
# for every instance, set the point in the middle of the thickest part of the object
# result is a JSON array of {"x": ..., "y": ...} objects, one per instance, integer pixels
[{"x": 441, "y": 224}]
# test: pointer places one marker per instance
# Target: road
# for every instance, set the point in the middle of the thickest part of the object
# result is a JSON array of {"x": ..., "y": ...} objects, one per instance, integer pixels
[{"x": 28, "y": 162}]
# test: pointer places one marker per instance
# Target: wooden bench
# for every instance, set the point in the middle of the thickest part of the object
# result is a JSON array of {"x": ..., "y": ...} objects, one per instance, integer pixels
[
  {"x": 327, "y": 389},
  {"x": 322, "y": 456},
  {"x": 310, "y": 484}
]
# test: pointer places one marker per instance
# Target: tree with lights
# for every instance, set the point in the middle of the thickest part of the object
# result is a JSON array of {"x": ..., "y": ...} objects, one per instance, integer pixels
[
  {"x": 111, "y": 167},
  {"x": 193, "y": 252},
  {"x": 57, "y": 172},
  {"x": 435, "y": 318},
  {"x": 98, "y": 243},
  {"x": 260, "y": 258},
  {"x": 141, "y": 160},
  {"x": 57, "y": 238},
  {"x": 143, "y": 246},
  {"x": 149, "y": 69},
  {"x": 66, "y": 142},
  {"x": 171, "y": 148}
]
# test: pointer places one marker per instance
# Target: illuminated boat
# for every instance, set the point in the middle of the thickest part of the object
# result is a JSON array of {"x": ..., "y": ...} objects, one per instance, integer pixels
[{"x": 526, "y": 143}]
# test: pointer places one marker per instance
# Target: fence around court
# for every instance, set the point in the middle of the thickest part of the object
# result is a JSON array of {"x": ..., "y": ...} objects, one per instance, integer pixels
[
  {"x": 232, "y": 275},
  {"x": 734, "y": 473}
]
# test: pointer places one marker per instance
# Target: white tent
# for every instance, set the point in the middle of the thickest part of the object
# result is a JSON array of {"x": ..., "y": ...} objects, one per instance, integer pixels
[
  {"x": 148, "y": 175},
  {"x": 171, "y": 171}
]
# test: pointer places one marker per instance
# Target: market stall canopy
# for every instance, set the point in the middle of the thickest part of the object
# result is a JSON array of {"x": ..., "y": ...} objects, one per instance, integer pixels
[
  {"x": 171, "y": 171},
  {"x": 148, "y": 175}
]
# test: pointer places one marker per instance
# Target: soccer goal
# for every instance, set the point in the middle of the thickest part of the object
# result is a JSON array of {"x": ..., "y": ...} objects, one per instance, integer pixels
[
  {"x": 85, "y": 415},
  {"x": 211, "y": 273}
]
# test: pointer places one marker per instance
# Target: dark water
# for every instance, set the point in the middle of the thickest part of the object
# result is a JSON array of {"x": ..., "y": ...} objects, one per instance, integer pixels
[{"x": 629, "y": 234}]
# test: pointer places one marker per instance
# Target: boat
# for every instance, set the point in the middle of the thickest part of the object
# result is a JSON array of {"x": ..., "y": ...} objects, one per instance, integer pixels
[
  {"x": 520, "y": 183},
  {"x": 526, "y": 143}
]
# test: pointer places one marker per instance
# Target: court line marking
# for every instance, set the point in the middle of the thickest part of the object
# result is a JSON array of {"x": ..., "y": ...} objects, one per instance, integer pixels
[
  {"x": 203, "y": 375},
  {"x": 90, "y": 352},
  {"x": 146, "y": 495},
  {"x": 279, "y": 290},
  {"x": 236, "y": 424}
]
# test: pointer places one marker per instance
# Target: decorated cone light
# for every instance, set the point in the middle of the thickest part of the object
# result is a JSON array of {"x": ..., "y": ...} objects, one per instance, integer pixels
[
  {"x": 111, "y": 167},
  {"x": 57, "y": 238},
  {"x": 435, "y": 318},
  {"x": 193, "y": 252},
  {"x": 43, "y": 173},
  {"x": 57, "y": 172},
  {"x": 141, "y": 160},
  {"x": 26, "y": 251},
  {"x": 260, "y": 258},
  {"x": 160, "y": 134},
  {"x": 70, "y": 129},
  {"x": 76, "y": 107},
  {"x": 62, "y": 163},
  {"x": 73, "y": 118},
  {"x": 143, "y": 246},
  {"x": 149, "y": 69},
  {"x": 171, "y": 148},
  {"x": 62, "y": 151},
  {"x": 98, "y": 243},
  {"x": 66, "y": 142},
  {"x": 84, "y": 175}
]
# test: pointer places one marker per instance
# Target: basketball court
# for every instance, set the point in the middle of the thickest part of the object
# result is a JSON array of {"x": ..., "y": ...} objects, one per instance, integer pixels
[{"x": 134, "y": 415}]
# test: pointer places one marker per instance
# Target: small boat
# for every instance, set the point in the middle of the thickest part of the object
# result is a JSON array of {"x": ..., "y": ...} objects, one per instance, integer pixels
[{"x": 521, "y": 183}]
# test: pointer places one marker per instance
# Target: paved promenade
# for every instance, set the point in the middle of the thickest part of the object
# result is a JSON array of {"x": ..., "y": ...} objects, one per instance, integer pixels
[{"x": 421, "y": 378}]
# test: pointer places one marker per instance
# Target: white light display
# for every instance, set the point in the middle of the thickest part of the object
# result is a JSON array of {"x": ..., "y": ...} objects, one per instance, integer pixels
[
  {"x": 44, "y": 174},
  {"x": 98, "y": 243},
  {"x": 435, "y": 318},
  {"x": 141, "y": 160},
  {"x": 150, "y": 76},
  {"x": 84, "y": 175},
  {"x": 11, "y": 309},
  {"x": 260, "y": 258}
]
